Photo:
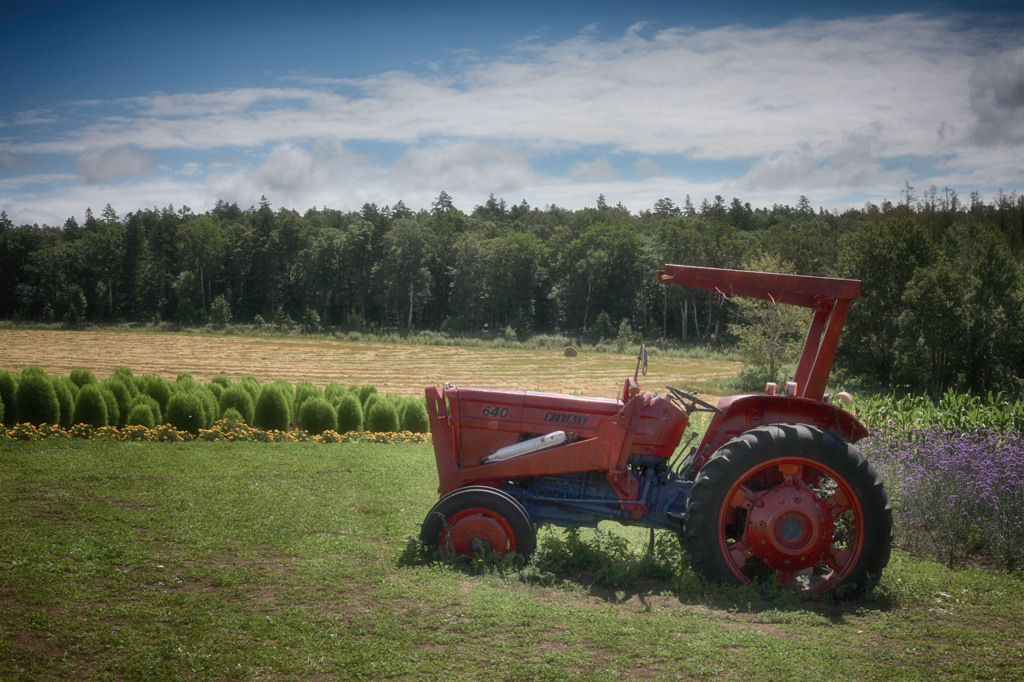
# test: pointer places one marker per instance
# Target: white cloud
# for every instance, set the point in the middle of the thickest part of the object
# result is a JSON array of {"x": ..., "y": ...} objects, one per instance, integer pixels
[
  {"x": 833, "y": 107},
  {"x": 100, "y": 166}
]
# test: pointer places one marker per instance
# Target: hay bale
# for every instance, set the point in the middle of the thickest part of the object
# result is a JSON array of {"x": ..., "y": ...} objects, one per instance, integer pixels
[{"x": 570, "y": 352}]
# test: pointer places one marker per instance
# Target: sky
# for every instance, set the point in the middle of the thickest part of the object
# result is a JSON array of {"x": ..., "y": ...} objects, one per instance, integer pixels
[{"x": 337, "y": 104}]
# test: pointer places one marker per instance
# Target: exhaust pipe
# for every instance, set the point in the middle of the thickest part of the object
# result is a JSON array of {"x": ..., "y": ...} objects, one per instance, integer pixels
[{"x": 526, "y": 447}]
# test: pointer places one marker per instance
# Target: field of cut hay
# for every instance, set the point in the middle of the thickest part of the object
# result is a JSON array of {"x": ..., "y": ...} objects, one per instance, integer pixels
[{"x": 393, "y": 368}]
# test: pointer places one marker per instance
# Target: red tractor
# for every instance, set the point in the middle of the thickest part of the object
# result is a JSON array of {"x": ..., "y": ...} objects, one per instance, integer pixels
[{"x": 776, "y": 490}]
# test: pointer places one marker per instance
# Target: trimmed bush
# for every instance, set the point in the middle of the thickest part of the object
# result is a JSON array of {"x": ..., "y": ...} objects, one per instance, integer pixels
[
  {"x": 113, "y": 411},
  {"x": 382, "y": 418},
  {"x": 250, "y": 384},
  {"x": 304, "y": 390},
  {"x": 158, "y": 388},
  {"x": 154, "y": 407},
  {"x": 232, "y": 418},
  {"x": 334, "y": 392},
  {"x": 211, "y": 406},
  {"x": 141, "y": 414},
  {"x": 370, "y": 401},
  {"x": 272, "y": 410},
  {"x": 123, "y": 395},
  {"x": 66, "y": 393},
  {"x": 222, "y": 380},
  {"x": 239, "y": 399},
  {"x": 36, "y": 400},
  {"x": 365, "y": 391},
  {"x": 287, "y": 387},
  {"x": 215, "y": 389},
  {"x": 91, "y": 407},
  {"x": 80, "y": 376},
  {"x": 414, "y": 416},
  {"x": 350, "y": 413},
  {"x": 8, "y": 394},
  {"x": 317, "y": 415},
  {"x": 126, "y": 375},
  {"x": 186, "y": 411}
]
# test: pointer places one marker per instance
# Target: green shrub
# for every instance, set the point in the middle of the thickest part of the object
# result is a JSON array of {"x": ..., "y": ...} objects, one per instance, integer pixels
[
  {"x": 232, "y": 418},
  {"x": 365, "y": 391},
  {"x": 272, "y": 410},
  {"x": 66, "y": 393},
  {"x": 304, "y": 390},
  {"x": 370, "y": 401},
  {"x": 211, "y": 406},
  {"x": 81, "y": 376},
  {"x": 334, "y": 392},
  {"x": 238, "y": 399},
  {"x": 382, "y": 418},
  {"x": 350, "y": 413},
  {"x": 141, "y": 414},
  {"x": 113, "y": 411},
  {"x": 215, "y": 389},
  {"x": 287, "y": 388},
  {"x": 317, "y": 415},
  {"x": 186, "y": 411},
  {"x": 126, "y": 375},
  {"x": 122, "y": 394},
  {"x": 8, "y": 395},
  {"x": 91, "y": 407},
  {"x": 1, "y": 410},
  {"x": 36, "y": 400},
  {"x": 250, "y": 384},
  {"x": 222, "y": 380},
  {"x": 158, "y": 388},
  {"x": 154, "y": 407},
  {"x": 414, "y": 416}
]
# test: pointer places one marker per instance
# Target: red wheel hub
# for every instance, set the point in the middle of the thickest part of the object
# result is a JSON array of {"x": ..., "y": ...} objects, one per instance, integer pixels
[
  {"x": 475, "y": 530},
  {"x": 789, "y": 528},
  {"x": 792, "y": 514}
]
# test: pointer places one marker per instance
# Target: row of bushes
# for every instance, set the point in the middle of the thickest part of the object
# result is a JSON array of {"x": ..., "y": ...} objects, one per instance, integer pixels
[
  {"x": 223, "y": 430},
  {"x": 123, "y": 399}
]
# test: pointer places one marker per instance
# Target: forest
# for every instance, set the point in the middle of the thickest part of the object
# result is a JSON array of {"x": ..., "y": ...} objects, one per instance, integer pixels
[{"x": 942, "y": 303}]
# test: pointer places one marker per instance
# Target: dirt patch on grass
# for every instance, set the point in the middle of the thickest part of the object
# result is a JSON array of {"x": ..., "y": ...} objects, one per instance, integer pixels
[{"x": 393, "y": 368}]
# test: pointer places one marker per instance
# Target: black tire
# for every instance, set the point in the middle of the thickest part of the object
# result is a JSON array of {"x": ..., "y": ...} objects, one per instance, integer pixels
[
  {"x": 467, "y": 519},
  {"x": 749, "y": 519}
]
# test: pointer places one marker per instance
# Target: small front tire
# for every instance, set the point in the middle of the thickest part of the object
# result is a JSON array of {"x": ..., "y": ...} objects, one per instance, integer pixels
[{"x": 479, "y": 519}]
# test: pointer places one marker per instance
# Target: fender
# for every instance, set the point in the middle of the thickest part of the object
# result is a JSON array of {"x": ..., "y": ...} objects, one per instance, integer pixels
[{"x": 741, "y": 413}]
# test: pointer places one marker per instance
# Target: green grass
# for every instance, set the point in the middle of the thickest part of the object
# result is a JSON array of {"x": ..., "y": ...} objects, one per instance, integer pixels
[{"x": 294, "y": 561}]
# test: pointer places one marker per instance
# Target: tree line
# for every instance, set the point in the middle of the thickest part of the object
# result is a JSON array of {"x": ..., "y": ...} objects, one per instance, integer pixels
[{"x": 943, "y": 289}]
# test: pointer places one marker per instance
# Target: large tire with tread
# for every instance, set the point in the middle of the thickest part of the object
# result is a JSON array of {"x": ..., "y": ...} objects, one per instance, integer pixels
[
  {"x": 793, "y": 505},
  {"x": 479, "y": 518}
]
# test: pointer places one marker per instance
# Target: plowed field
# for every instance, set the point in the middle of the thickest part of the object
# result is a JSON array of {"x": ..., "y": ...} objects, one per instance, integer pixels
[{"x": 402, "y": 369}]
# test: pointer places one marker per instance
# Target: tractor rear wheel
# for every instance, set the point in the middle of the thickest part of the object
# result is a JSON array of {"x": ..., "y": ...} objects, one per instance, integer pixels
[
  {"x": 479, "y": 519},
  {"x": 792, "y": 505}
]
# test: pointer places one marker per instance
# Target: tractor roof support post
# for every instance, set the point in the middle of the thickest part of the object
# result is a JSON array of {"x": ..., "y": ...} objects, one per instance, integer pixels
[
  {"x": 818, "y": 353},
  {"x": 829, "y": 297}
]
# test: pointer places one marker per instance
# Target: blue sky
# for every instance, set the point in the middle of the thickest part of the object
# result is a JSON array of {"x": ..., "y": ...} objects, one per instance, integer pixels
[{"x": 336, "y": 104}]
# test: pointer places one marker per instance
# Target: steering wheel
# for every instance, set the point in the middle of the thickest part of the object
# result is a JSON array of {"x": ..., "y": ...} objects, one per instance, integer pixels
[{"x": 696, "y": 404}]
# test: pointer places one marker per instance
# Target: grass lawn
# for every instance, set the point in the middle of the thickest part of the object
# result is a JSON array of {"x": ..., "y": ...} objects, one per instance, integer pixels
[{"x": 277, "y": 561}]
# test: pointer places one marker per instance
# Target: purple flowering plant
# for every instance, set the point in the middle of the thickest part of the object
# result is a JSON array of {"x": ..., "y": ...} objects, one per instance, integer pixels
[{"x": 957, "y": 494}]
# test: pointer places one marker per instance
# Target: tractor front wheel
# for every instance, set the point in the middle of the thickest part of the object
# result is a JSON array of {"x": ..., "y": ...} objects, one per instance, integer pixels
[
  {"x": 479, "y": 519},
  {"x": 792, "y": 505}
]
